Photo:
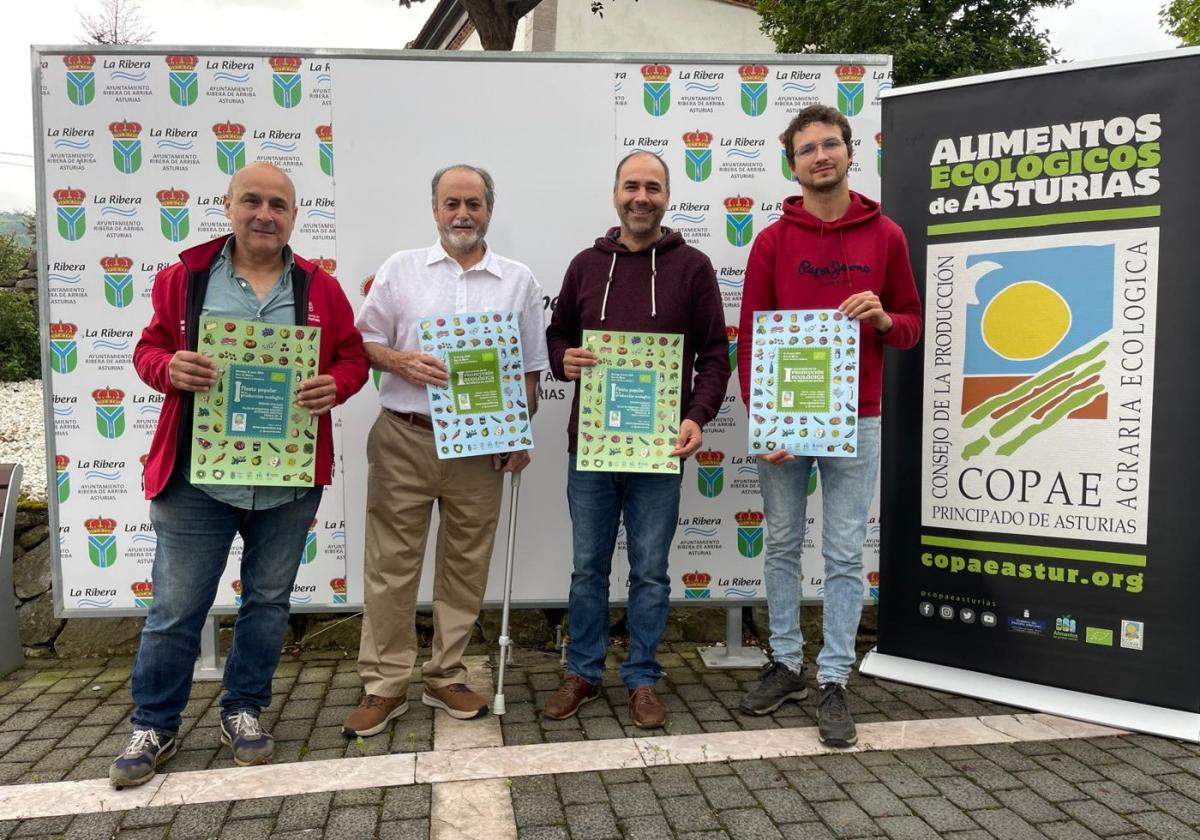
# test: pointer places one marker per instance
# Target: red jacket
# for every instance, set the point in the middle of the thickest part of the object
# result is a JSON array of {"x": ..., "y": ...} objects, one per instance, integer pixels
[
  {"x": 178, "y": 297},
  {"x": 801, "y": 262}
]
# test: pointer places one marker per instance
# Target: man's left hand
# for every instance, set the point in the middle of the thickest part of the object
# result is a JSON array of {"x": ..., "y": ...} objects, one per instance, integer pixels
[
  {"x": 866, "y": 306},
  {"x": 317, "y": 394},
  {"x": 689, "y": 440},
  {"x": 513, "y": 463}
]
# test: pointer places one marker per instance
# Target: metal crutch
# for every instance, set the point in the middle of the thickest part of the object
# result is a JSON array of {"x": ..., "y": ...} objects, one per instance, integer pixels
[{"x": 505, "y": 642}]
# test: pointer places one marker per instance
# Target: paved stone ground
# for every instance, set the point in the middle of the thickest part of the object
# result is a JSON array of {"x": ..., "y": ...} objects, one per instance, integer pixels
[{"x": 67, "y": 719}]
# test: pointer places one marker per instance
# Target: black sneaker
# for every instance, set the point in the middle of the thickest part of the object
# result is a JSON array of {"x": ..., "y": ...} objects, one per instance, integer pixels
[
  {"x": 835, "y": 726},
  {"x": 148, "y": 750},
  {"x": 251, "y": 744},
  {"x": 777, "y": 683}
]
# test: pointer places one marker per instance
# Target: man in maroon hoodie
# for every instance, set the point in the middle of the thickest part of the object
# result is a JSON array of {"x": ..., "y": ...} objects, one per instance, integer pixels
[
  {"x": 251, "y": 275},
  {"x": 637, "y": 277},
  {"x": 832, "y": 249}
]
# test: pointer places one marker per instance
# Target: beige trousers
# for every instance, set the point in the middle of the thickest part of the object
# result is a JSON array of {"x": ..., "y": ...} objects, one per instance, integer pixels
[{"x": 404, "y": 479}]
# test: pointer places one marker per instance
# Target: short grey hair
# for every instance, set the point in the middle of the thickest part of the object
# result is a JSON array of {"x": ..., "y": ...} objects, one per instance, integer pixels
[
  {"x": 635, "y": 153},
  {"x": 489, "y": 186}
]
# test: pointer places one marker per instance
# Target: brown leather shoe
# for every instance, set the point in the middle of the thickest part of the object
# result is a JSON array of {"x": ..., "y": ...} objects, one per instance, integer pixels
[
  {"x": 456, "y": 700},
  {"x": 646, "y": 710},
  {"x": 573, "y": 693},
  {"x": 372, "y": 715}
]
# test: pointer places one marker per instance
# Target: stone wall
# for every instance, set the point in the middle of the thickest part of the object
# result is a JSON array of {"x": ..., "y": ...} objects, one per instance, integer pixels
[{"x": 44, "y": 635}]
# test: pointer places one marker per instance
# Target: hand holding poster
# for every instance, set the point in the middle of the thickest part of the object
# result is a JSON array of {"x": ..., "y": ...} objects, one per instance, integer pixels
[
  {"x": 629, "y": 402},
  {"x": 484, "y": 409},
  {"x": 804, "y": 383},
  {"x": 247, "y": 429}
]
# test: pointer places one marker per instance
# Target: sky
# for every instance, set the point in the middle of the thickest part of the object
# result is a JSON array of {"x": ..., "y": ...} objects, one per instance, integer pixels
[{"x": 1084, "y": 31}]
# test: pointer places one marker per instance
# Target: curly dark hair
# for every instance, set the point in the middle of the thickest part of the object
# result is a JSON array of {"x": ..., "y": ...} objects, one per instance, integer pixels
[{"x": 816, "y": 114}]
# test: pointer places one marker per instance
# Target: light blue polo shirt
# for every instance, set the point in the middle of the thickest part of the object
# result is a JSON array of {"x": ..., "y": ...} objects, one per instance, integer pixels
[{"x": 230, "y": 295}]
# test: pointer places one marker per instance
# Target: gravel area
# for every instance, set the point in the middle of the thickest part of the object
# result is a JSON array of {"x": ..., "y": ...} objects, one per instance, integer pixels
[{"x": 23, "y": 433}]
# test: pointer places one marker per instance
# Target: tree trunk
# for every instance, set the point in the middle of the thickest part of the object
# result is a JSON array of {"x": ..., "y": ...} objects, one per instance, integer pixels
[{"x": 494, "y": 21}]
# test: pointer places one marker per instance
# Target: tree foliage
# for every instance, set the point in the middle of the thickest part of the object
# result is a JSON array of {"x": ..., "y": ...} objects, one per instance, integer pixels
[
  {"x": 1181, "y": 18},
  {"x": 929, "y": 39},
  {"x": 115, "y": 22}
]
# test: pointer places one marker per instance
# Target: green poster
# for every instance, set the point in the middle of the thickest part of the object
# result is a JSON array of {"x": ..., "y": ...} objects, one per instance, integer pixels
[
  {"x": 475, "y": 380},
  {"x": 629, "y": 402},
  {"x": 484, "y": 410},
  {"x": 247, "y": 428},
  {"x": 804, "y": 383},
  {"x": 803, "y": 378}
]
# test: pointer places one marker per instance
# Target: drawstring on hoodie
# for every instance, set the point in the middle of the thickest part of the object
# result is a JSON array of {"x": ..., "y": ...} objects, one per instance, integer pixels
[{"x": 653, "y": 275}]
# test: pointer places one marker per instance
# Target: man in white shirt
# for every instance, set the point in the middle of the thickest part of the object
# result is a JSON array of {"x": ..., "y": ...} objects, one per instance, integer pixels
[{"x": 457, "y": 274}]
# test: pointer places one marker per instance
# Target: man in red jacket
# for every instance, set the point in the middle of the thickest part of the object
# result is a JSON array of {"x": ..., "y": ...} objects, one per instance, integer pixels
[
  {"x": 251, "y": 275},
  {"x": 832, "y": 249},
  {"x": 637, "y": 277}
]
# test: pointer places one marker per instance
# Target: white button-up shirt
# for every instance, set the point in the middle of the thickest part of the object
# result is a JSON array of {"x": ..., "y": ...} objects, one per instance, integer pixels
[{"x": 425, "y": 282}]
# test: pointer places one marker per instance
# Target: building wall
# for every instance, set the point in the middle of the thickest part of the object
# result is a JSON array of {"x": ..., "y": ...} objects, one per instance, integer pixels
[{"x": 658, "y": 26}]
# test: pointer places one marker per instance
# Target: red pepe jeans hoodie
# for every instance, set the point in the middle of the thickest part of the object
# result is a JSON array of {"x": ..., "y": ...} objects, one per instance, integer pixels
[{"x": 801, "y": 262}]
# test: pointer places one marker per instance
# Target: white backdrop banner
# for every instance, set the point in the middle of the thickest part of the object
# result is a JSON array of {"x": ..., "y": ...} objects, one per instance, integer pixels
[{"x": 135, "y": 152}]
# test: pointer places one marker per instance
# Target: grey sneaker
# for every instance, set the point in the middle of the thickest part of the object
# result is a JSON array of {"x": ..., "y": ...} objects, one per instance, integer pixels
[
  {"x": 148, "y": 750},
  {"x": 251, "y": 744},
  {"x": 777, "y": 684},
  {"x": 835, "y": 726}
]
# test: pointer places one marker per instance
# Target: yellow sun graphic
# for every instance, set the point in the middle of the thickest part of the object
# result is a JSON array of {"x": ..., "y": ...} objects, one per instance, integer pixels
[{"x": 1025, "y": 321}]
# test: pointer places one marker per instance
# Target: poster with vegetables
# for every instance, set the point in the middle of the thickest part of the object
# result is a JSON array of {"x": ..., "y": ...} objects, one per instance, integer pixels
[
  {"x": 247, "y": 428},
  {"x": 629, "y": 402},
  {"x": 484, "y": 409},
  {"x": 804, "y": 383}
]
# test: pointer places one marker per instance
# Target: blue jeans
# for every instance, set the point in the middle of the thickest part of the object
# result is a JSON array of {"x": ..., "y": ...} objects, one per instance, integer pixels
[
  {"x": 649, "y": 504},
  {"x": 847, "y": 488},
  {"x": 194, "y": 533}
]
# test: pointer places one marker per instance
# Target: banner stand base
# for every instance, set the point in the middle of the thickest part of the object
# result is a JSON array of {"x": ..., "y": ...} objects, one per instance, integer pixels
[
  {"x": 732, "y": 655},
  {"x": 1107, "y": 711},
  {"x": 210, "y": 666}
]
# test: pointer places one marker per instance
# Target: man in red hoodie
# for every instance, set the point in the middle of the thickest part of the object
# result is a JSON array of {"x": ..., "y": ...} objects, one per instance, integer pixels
[
  {"x": 637, "y": 277},
  {"x": 250, "y": 275},
  {"x": 832, "y": 249}
]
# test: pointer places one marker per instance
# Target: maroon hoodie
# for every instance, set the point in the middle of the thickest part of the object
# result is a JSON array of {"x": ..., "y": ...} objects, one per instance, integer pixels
[
  {"x": 801, "y": 262},
  {"x": 669, "y": 287}
]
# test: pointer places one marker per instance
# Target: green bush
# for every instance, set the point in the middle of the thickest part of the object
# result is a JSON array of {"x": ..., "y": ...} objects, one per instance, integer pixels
[{"x": 20, "y": 353}]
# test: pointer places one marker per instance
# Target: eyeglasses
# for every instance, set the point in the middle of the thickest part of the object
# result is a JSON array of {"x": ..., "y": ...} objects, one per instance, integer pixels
[{"x": 829, "y": 144}]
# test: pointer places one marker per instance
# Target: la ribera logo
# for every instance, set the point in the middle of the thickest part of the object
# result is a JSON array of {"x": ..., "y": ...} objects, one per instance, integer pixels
[
  {"x": 237, "y": 591},
  {"x": 697, "y": 157},
  {"x": 143, "y": 593},
  {"x": 64, "y": 350},
  {"x": 285, "y": 80},
  {"x": 656, "y": 89},
  {"x": 731, "y": 335},
  {"x": 338, "y": 585},
  {"x": 72, "y": 218},
  {"x": 850, "y": 88},
  {"x": 118, "y": 280},
  {"x": 184, "y": 87},
  {"x": 231, "y": 149},
  {"x": 873, "y": 586},
  {"x": 1035, "y": 340},
  {"x": 749, "y": 533},
  {"x": 695, "y": 585},
  {"x": 127, "y": 148},
  {"x": 173, "y": 215},
  {"x": 110, "y": 413},
  {"x": 102, "y": 545},
  {"x": 81, "y": 79},
  {"x": 325, "y": 148},
  {"x": 879, "y": 153},
  {"x": 309, "y": 553},
  {"x": 754, "y": 89},
  {"x": 62, "y": 477},
  {"x": 739, "y": 221},
  {"x": 785, "y": 165},
  {"x": 710, "y": 475}
]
